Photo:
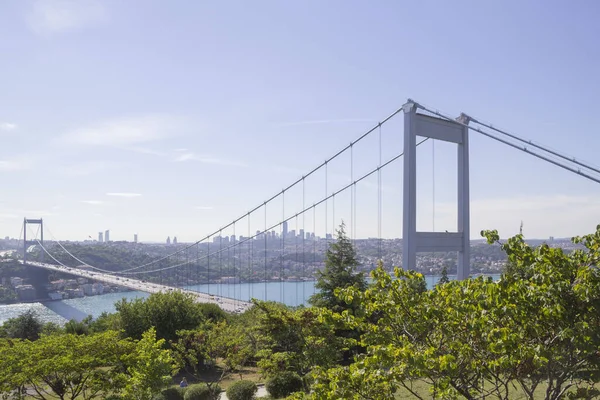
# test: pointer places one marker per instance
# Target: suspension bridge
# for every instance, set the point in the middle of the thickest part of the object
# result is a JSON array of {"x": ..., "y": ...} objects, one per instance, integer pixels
[{"x": 258, "y": 247}]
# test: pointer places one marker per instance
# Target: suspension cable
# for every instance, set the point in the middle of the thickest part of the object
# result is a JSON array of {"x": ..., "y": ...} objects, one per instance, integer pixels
[
  {"x": 538, "y": 146},
  {"x": 323, "y": 164},
  {"x": 324, "y": 200},
  {"x": 523, "y": 149}
]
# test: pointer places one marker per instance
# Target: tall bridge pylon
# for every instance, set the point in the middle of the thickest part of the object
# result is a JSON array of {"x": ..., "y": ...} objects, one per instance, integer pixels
[
  {"x": 39, "y": 222},
  {"x": 416, "y": 124}
]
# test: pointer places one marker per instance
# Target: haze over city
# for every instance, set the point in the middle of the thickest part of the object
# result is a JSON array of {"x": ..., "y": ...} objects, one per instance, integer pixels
[{"x": 141, "y": 117}]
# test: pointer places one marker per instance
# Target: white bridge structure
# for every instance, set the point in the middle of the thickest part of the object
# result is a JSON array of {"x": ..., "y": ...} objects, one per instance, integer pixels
[
  {"x": 226, "y": 303},
  {"x": 263, "y": 256}
]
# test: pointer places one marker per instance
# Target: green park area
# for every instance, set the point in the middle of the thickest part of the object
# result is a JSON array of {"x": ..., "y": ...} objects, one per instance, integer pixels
[{"x": 533, "y": 334}]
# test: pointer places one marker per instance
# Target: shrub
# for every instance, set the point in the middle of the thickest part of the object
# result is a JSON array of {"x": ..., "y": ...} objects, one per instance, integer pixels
[
  {"x": 284, "y": 384},
  {"x": 202, "y": 392},
  {"x": 174, "y": 393},
  {"x": 242, "y": 390},
  {"x": 158, "y": 396}
]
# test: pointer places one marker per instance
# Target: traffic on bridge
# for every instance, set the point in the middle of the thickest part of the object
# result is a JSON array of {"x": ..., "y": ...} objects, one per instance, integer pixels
[{"x": 226, "y": 303}]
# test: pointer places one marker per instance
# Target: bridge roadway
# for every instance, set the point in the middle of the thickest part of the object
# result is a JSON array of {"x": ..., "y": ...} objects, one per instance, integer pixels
[{"x": 226, "y": 303}]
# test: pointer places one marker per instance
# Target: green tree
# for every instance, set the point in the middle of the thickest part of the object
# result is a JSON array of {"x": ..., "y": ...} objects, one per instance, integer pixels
[
  {"x": 64, "y": 366},
  {"x": 26, "y": 326},
  {"x": 540, "y": 324},
  {"x": 296, "y": 340},
  {"x": 167, "y": 312},
  {"x": 444, "y": 278},
  {"x": 339, "y": 273},
  {"x": 149, "y": 368}
]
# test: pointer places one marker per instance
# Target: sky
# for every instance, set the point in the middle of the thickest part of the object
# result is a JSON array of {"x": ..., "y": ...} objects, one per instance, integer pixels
[{"x": 175, "y": 118}]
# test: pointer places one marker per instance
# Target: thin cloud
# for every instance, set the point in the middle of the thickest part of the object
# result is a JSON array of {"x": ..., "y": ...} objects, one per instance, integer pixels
[
  {"x": 123, "y": 194},
  {"x": 208, "y": 160},
  {"x": 125, "y": 132},
  {"x": 203, "y": 208},
  {"x": 86, "y": 168},
  {"x": 147, "y": 150},
  {"x": 16, "y": 164},
  {"x": 56, "y": 16},
  {"x": 93, "y": 202},
  {"x": 7, "y": 126},
  {"x": 325, "y": 121}
]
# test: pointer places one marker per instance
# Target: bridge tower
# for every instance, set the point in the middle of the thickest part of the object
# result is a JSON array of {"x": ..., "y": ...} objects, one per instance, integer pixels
[
  {"x": 416, "y": 124},
  {"x": 39, "y": 222}
]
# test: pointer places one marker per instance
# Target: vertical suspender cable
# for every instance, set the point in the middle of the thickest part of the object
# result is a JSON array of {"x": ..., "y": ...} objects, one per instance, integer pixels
[
  {"x": 235, "y": 275},
  {"x": 326, "y": 201},
  {"x": 265, "y": 235},
  {"x": 186, "y": 277},
  {"x": 296, "y": 241},
  {"x": 250, "y": 266},
  {"x": 282, "y": 246},
  {"x": 352, "y": 192},
  {"x": 333, "y": 225},
  {"x": 314, "y": 264},
  {"x": 208, "y": 265},
  {"x": 303, "y": 240},
  {"x": 433, "y": 195},
  {"x": 220, "y": 263},
  {"x": 379, "y": 195}
]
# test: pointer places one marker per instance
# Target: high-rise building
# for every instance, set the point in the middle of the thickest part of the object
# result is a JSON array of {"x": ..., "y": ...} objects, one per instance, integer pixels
[
  {"x": 135, "y": 238},
  {"x": 107, "y": 236},
  {"x": 100, "y": 237},
  {"x": 301, "y": 234},
  {"x": 174, "y": 239},
  {"x": 168, "y": 239},
  {"x": 285, "y": 229}
]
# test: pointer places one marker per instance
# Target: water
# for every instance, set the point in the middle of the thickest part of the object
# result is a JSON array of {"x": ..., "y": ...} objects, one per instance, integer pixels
[{"x": 290, "y": 293}]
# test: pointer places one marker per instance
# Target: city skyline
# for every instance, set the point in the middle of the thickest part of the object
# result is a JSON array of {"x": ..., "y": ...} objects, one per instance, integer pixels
[{"x": 109, "y": 121}]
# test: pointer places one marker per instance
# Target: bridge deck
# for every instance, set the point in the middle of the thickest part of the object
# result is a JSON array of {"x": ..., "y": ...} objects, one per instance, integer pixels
[{"x": 226, "y": 303}]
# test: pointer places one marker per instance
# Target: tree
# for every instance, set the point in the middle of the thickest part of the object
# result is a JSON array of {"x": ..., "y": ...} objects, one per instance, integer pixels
[
  {"x": 296, "y": 340},
  {"x": 555, "y": 299},
  {"x": 64, "y": 366},
  {"x": 26, "y": 326},
  {"x": 339, "y": 273},
  {"x": 149, "y": 368},
  {"x": 476, "y": 338},
  {"x": 167, "y": 312},
  {"x": 444, "y": 278}
]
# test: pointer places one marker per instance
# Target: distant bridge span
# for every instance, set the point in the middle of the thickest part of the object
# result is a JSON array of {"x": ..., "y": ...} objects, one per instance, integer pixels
[{"x": 226, "y": 303}]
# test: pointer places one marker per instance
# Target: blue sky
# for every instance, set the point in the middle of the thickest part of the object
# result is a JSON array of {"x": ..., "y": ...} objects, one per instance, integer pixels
[{"x": 173, "y": 118}]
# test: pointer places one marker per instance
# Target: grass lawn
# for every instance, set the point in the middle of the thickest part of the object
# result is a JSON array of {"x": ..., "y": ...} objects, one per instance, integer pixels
[{"x": 213, "y": 374}]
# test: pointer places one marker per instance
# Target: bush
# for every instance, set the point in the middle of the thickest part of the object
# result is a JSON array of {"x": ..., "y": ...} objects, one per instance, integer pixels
[
  {"x": 283, "y": 384},
  {"x": 174, "y": 393},
  {"x": 242, "y": 390},
  {"x": 202, "y": 392},
  {"x": 158, "y": 396}
]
